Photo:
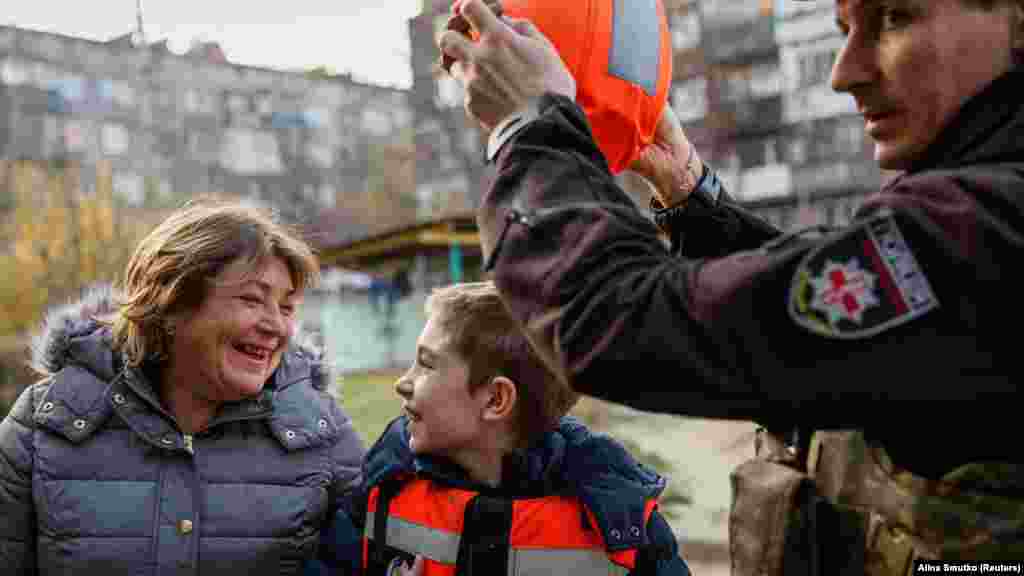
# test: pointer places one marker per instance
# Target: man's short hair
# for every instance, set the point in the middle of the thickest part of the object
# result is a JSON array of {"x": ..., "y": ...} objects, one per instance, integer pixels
[{"x": 486, "y": 336}]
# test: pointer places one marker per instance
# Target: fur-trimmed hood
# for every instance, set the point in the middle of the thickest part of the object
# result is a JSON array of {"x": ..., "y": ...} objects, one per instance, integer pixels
[{"x": 74, "y": 333}]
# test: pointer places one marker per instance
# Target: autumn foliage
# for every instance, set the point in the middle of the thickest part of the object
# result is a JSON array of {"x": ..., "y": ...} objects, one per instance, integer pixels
[{"x": 56, "y": 239}]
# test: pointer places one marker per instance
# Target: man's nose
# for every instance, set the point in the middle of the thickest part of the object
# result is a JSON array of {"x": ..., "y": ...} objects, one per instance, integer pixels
[{"x": 856, "y": 64}]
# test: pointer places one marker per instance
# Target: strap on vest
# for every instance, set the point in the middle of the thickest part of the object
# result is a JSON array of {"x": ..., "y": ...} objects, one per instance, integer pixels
[
  {"x": 380, "y": 559},
  {"x": 486, "y": 532}
]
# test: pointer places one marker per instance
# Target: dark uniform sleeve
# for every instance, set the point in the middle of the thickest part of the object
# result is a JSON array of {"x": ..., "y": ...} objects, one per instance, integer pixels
[
  {"x": 891, "y": 308},
  {"x": 707, "y": 227},
  {"x": 17, "y": 512}
]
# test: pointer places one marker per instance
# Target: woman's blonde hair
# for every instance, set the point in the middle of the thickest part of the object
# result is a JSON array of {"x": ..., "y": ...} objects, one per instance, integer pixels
[{"x": 171, "y": 268}]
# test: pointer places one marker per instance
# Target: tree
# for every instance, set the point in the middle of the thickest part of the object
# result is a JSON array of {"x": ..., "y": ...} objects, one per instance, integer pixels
[{"x": 58, "y": 240}]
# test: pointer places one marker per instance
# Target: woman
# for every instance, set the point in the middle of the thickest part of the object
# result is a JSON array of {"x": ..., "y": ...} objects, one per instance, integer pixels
[{"x": 179, "y": 429}]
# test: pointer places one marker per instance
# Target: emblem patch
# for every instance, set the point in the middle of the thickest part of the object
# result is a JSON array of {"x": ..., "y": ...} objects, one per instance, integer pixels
[{"x": 860, "y": 284}]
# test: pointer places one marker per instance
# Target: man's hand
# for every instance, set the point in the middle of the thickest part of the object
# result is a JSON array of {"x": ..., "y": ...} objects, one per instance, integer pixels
[
  {"x": 511, "y": 65},
  {"x": 670, "y": 163}
]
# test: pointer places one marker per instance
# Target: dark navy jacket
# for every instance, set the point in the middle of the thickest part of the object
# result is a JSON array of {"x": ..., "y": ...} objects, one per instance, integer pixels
[{"x": 570, "y": 459}]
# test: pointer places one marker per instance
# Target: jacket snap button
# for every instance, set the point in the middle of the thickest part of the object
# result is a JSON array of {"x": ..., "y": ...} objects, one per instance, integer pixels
[
  {"x": 167, "y": 440},
  {"x": 635, "y": 531},
  {"x": 289, "y": 435},
  {"x": 47, "y": 406},
  {"x": 118, "y": 398},
  {"x": 185, "y": 527},
  {"x": 322, "y": 424},
  {"x": 616, "y": 534},
  {"x": 80, "y": 424}
]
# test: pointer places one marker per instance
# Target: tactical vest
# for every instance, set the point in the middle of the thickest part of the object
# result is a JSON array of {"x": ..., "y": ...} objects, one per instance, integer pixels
[
  {"x": 843, "y": 507},
  {"x": 464, "y": 533}
]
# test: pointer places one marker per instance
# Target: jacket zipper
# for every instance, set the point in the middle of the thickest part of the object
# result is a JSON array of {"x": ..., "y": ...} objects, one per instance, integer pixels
[
  {"x": 189, "y": 447},
  {"x": 528, "y": 218}
]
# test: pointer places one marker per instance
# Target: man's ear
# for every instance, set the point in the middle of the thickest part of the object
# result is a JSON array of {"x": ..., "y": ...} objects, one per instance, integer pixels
[
  {"x": 1018, "y": 29},
  {"x": 503, "y": 396}
]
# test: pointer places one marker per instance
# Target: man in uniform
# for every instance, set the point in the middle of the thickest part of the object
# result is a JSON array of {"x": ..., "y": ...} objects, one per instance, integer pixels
[{"x": 880, "y": 357}]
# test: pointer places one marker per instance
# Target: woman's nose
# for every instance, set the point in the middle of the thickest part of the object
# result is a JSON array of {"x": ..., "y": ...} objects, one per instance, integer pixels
[
  {"x": 403, "y": 386},
  {"x": 275, "y": 323}
]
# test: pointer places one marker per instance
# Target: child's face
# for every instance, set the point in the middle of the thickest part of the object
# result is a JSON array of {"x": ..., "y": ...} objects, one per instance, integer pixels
[{"x": 444, "y": 418}]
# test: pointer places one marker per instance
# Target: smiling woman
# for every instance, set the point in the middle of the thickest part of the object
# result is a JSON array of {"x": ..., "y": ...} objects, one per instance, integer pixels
[{"x": 188, "y": 382}]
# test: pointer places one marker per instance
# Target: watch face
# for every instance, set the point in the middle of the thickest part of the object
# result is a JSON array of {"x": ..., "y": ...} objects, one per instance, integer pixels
[
  {"x": 710, "y": 186},
  {"x": 403, "y": 565}
]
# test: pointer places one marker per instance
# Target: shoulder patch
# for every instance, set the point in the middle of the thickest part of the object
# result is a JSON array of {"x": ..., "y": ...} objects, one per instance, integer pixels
[{"x": 860, "y": 283}]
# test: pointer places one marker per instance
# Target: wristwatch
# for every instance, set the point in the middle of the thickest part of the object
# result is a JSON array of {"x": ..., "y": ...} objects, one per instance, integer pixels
[{"x": 707, "y": 194}]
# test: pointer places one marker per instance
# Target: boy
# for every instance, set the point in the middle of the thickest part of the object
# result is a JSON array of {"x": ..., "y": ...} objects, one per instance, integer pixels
[{"x": 484, "y": 474}]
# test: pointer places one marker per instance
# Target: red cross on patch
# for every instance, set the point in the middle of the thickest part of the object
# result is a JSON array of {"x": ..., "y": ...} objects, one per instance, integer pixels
[{"x": 844, "y": 291}]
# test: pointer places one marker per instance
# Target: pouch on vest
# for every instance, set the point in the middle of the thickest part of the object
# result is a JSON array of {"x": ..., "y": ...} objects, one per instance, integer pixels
[
  {"x": 851, "y": 511},
  {"x": 780, "y": 525}
]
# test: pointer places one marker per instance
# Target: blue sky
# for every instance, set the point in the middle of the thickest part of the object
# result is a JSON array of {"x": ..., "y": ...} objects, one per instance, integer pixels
[{"x": 368, "y": 38}]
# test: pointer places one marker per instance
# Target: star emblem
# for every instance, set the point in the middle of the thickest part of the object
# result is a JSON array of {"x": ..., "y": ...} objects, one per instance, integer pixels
[{"x": 844, "y": 291}]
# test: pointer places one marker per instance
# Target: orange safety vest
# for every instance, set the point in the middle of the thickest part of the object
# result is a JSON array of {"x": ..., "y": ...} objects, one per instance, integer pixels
[
  {"x": 620, "y": 54},
  {"x": 544, "y": 535}
]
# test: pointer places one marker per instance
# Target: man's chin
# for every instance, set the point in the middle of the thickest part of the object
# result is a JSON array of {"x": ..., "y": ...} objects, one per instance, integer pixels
[{"x": 895, "y": 156}]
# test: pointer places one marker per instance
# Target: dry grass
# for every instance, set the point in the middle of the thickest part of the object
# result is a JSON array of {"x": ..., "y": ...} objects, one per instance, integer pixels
[{"x": 370, "y": 400}]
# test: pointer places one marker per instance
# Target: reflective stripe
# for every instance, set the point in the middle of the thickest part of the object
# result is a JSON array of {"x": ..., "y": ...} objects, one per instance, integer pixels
[
  {"x": 636, "y": 43},
  {"x": 443, "y": 547},
  {"x": 438, "y": 545},
  {"x": 570, "y": 562}
]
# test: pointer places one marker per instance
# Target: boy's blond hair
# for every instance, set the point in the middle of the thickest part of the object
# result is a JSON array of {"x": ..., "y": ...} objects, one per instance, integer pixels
[{"x": 488, "y": 339}]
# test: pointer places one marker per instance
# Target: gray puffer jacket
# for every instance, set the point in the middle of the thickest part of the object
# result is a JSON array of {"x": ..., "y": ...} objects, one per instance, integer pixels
[{"x": 96, "y": 478}]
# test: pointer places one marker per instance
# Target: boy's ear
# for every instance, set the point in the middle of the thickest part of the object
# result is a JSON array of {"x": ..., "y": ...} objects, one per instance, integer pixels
[{"x": 503, "y": 397}]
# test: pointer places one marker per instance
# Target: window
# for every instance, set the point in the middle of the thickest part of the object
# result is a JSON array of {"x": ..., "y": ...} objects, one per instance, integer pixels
[
  {"x": 78, "y": 136},
  {"x": 238, "y": 104},
  {"x": 751, "y": 82},
  {"x": 328, "y": 197},
  {"x": 376, "y": 123},
  {"x": 71, "y": 88},
  {"x": 14, "y": 72},
  {"x": 191, "y": 100},
  {"x": 815, "y": 67},
  {"x": 264, "y": 105},
  {"x": 128, "y": 186},
  {"x": 6, "y": 40},
  {"x": 685, "y": 30},
  {"x": 316, "y": 118},
  {"x": 689, "y": 99},
  {"x": 51, "y": 137},
  {"x": 119, "y": 93},
  {"x": 319, "y": 155},
  {"x": 197, "y": 102},
  {"x": 114, "y": 139},
  {"x": 43, "y": 75}
]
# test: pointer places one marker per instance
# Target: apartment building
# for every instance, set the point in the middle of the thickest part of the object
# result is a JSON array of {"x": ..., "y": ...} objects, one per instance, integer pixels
[{"x": 173, "y": 125}]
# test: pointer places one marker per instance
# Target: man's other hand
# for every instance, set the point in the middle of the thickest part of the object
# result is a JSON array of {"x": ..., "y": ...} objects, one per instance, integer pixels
[
  {"x": 507, "y": 68},
  {"x": 670, "y": 163}
]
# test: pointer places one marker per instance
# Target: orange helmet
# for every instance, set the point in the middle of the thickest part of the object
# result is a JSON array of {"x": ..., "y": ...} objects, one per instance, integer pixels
[{"x": 620, "y": 54}]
